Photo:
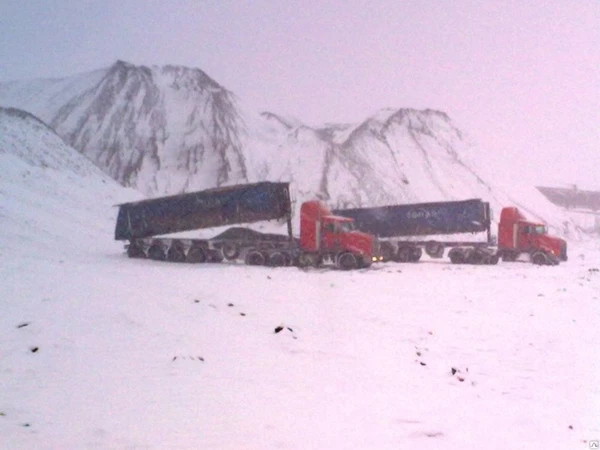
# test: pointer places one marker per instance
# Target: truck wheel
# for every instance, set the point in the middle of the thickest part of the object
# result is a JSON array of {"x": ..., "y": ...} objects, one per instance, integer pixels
[
  {"x": 135, "y": 250},
  {"x": 157, "y": 252},
  {"x": 303, "y": 260},
  {"x": 403, "y": 254},
  {"x": 364, "y": 263},
  {"x": 346, "y": 261},
  {"x": 508, "y": 256},
  {"x": 539, "y": 258},
  {"x": 176, "y": 252},
  {"x": 277, "y": 259},
  {"x": 456, "y": 256},
  {"x": 255, "y": 258},
  {"x": 196, "y": 255},
  {"x": 230, "y": 251}
]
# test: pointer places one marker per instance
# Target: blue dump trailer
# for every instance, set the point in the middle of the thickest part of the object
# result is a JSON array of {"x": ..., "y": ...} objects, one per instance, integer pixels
[
  {"x": 210, "y": 208},
  {"x": 141, "y": 222},
  {"x": 406, "y": 230}
]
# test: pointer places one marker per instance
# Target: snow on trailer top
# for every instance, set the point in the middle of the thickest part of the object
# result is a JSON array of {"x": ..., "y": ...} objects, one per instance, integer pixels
[
  {"x": 203, "y": 209},
  {"x": 420, "y": 219}
]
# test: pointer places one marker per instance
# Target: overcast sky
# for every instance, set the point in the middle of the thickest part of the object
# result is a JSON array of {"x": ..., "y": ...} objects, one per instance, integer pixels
[{"x": 521, "y": 78}]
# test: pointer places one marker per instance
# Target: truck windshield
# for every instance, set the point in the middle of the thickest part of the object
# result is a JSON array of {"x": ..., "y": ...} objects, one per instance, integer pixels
[{"x": 540, "y": 229}]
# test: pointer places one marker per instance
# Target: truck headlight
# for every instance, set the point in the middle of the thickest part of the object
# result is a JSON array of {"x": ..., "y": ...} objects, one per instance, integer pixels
[{"x": 374, "y": 258}]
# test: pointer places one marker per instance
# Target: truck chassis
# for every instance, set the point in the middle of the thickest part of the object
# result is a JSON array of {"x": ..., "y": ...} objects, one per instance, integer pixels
[
  {"x": 480, "y": 253},
  {"x": 272, "y": 253}
]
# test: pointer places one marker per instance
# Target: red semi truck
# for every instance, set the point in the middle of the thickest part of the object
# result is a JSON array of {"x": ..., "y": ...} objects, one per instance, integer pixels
[
  {"x": 324, "y": 237},
  {"x": 405, "y": 230},
  {"x": 517, "y": 235}
]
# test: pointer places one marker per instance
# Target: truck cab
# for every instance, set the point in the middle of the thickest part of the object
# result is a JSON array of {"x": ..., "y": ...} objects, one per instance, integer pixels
[
  {"x": 517, "y": 235},
  {"x": 326, "y": 236}
]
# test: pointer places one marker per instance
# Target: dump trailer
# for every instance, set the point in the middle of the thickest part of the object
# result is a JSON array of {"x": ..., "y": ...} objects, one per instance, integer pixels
[
  {"x": 405, "y": 231},
  {"x": 324, "y": 238}
]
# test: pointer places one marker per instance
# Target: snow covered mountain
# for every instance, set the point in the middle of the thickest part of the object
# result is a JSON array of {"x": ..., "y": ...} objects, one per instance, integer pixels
[
  {"x": 166, "y": 130},
  {"x": 154, "y": 129}
]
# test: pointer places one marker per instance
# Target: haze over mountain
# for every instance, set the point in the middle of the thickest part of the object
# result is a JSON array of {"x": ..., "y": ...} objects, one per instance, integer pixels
[{"x": 166, "y": 130}]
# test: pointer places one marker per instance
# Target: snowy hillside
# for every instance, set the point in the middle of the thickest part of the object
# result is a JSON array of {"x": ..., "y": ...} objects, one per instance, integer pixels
[
  {"x": 49, "y": 187},
  {"x": 101, "y": 351}
]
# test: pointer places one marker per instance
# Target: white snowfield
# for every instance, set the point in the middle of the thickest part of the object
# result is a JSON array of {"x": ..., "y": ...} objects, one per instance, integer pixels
[{"x": 101, "y": 351}]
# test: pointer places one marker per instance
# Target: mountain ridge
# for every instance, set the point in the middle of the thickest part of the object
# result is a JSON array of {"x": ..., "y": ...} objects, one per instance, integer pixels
[{"x": 172, "y": 129}]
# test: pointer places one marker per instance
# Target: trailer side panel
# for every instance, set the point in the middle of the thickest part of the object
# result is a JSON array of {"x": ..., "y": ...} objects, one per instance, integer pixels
[
  {"x": 420, "y": 219},
  {"x": 214, "y": 207}
]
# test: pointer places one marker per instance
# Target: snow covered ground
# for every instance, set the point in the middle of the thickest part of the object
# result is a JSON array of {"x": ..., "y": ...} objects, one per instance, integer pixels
[
  {"x": 101, "y": 351},
  {"x": 143, "y": 354}
]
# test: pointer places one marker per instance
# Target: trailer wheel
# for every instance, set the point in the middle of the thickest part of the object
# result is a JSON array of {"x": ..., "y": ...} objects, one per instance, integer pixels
[
  {"x": 135, "y": 250},
  {"x": 196, "y": 255},
  {"x": 214, "y": 256},
  {"x": 434, "y": 249},
  {"x": 255, "y": 258},
  {"x": 539, "y": 258},
  {"x": 277, "y": 259},
  {"x": 387, "y": 251},
  {"x": 157, "y": 252},
  {"x": 415, "y": 254},
  {"x": 491, "y": 260},
  {"x": 309, "y": 260},
  {"x": 176, "y": 252},
  {"x": 346, "y": 261},
  {"x": 288, "y": 259},
  {"x": 403, "y": 254},
  {"x": 474, "y": 256},
  {"x": 230, "y": 251}
]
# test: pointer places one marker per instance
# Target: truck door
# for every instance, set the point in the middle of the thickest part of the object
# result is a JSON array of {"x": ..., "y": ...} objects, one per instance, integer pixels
[
  {"x": 329, "y": 236},
  {"x": 524, "y": 237}
]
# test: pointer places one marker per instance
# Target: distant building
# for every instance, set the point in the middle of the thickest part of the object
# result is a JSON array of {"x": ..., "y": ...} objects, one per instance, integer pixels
[{"x": 572, "y": 198}]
